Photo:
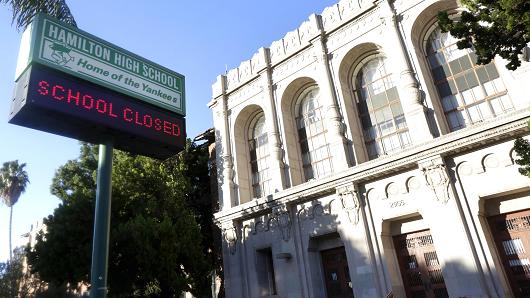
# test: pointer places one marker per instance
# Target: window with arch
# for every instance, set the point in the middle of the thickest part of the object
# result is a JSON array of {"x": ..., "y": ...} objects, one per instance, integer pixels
[
  {"x": 469, "y": 92},
  {"x": 382, "y": 119},
  {"x": 259, "y": 157},
  {"x": 316, "y": 160}
]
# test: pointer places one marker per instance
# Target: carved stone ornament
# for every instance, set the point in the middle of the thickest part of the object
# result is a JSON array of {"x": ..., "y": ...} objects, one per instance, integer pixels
[
  {"x": 282, "y": 220},
  {"x": 230, "y": 236},
  {"x": 351, "y": 204},
  {"x": 437, "y": 179},
  {"x": 316, "y": 209},
  {"x": 279, "y": 219}
]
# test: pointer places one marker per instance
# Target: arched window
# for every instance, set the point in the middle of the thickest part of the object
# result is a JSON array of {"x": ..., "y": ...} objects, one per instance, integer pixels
[
  {"x": 259, "y": 157},
  {"x": 469, "y": 93},
  {"x": 384, "y": 126},
  {"x": 316, "y": 159}
]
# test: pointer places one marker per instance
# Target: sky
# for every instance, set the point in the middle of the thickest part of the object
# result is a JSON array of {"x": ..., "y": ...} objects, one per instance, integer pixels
[{"x": 198, "y": 39}]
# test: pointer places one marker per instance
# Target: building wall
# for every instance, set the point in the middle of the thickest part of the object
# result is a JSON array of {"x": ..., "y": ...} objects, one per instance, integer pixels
[{"x": 447, "y": 182}]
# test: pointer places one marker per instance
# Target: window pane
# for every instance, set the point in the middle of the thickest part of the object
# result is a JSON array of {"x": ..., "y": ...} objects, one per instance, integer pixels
[
  {"x": 461, "y": 83},
  {"x": 456, "y": 120},
  {"x": 392, "y": 94},
  {"x": 379, "y": 100},
  {"x": 259, "y": 158},
  {"x": 474, "y": 114},
  {"x": 465, "y": 63},
  {"x": 492, "y": 71},
  {"x": 313, "y": 144},
  {"x": 477, "y": 84},
  {"x": 449, "y": 103},
  {"x": 438, "y": 73},
  {"x": 468, "y": 97},
  {"x": 385, "y": 115},
  {"x": 455, "y": 66},
  {"x": 396, "y": 109},
  {"x": 482, "y": 74},
  {"x": 471, "y": 79},
  {"x": 506, "y": 103}
]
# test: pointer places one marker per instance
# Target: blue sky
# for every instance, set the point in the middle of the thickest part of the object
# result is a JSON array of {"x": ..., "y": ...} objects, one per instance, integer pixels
[{"x": 198, "y": 39}]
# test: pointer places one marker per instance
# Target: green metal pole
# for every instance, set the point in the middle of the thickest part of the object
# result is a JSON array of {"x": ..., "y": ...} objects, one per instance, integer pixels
[{"x": 100, "y": 246}]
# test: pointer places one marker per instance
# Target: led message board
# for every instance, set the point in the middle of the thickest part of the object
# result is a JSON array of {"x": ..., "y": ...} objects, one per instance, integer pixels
[
  {"x": 57, "y": 45},
  {"x": 55, "y": 102}
]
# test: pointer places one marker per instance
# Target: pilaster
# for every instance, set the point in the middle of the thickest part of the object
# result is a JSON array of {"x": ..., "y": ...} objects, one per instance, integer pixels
[
  {"x": 357, "y": 242},
  {"x": 277, "y": 163},
  {"x": 334, "y": 122},
  {"x": 408, "y": 87},
  {"x": 224, "y": 153},
  {"x": 461, "y": 268}
]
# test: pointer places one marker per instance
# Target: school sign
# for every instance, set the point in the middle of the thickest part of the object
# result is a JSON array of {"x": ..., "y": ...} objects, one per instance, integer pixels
[
  {"x": 80, "y": 54},
  {"x": 71, "y": 83}
]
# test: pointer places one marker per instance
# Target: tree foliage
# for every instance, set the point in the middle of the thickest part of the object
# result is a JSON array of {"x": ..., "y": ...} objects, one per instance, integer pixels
[
  {"x": 25, "y": 10},
  {"x": 492, "y": 27},
  {"x": 13, "y": 182},
  {"x": 156, "y": 246},
  {"x": 11, "y": 275},
  {"x": 522, "y": 148}
]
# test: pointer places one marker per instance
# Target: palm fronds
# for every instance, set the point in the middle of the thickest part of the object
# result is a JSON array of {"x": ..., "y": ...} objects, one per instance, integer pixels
[{"x": 25, "y": 10}]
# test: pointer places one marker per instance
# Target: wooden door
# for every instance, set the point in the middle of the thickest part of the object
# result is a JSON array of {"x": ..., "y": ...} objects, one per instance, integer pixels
[
  {"x": 418, "y": 262},
  {"x": 511, "y": 232},
  {"x": 336, "y": 273}
]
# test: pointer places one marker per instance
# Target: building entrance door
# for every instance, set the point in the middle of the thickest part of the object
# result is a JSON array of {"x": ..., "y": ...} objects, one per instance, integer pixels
[
  {"x": 511, "y": 232},
  {"x": 418, "y": 262},
  {"x": 336, "y": 273}
]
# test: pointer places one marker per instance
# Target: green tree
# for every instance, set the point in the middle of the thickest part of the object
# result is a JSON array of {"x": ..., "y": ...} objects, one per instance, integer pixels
[
  {"x": 11, "y": 275},
  {"x": 491, "y": 27},
  {"x": 25, "y": 10},
  {"x": 13, "y": 182},
  {"x": 522, "y": 148},
  {"x": 155, "y": 240}
]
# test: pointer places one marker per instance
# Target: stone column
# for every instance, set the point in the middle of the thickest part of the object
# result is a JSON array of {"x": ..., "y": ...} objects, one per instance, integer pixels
[
  {"x": 356, "y": 239},
  {"x": 277, "y": 164},
  {"x": 235, "y": 278},
  {"x": 454, "y": 245},
  {"x": 328, "y": 99},
  {"x": 408, "y": 87},
  {"x": 225, "y": 164}
]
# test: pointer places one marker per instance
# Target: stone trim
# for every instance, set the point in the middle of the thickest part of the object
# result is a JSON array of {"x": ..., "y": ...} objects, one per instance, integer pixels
[
  {"x": 502, "y": 127},
  {"x": 351, "y": 203}
]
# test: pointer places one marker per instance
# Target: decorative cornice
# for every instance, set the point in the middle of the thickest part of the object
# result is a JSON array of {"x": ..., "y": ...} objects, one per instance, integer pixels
[
  {"x": 478, "y": 135},
  {"x": 297, "y": 40}
]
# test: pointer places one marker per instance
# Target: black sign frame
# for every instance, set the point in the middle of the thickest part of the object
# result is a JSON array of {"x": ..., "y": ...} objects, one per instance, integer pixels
[{"x": 58, "y": 103}]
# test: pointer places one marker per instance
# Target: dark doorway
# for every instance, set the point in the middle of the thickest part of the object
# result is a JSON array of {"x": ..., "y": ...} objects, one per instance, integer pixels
[
  {"x": 418, "y": 262},
  {"x": 511, "y": 232},
  {"x": 336, "y": 273}
]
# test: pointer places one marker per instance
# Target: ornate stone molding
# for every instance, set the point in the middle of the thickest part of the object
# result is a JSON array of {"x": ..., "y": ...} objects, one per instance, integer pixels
[
  {"x": 294, "y": 64},
  {"x": 480, "y": 134},
  {"x": 282, "y": 220},
  {"x": 351, "y": 204},
  {"x": 436, "y": 177},
  {"x": 316, "y": 209},
  {"x": 354, "y": 29},
  {"x": 278, "y": 219},
  {"x": 230, "y": 236}
]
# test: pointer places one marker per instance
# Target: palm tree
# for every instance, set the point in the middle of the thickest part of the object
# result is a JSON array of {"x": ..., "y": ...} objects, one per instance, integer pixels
[
  {"x": 25, "y": 10},
  {"x": 13, "y": 181}
]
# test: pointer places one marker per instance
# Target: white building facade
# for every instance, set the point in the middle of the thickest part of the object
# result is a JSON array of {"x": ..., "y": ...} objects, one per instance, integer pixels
[{"x": 363, "y": 154}]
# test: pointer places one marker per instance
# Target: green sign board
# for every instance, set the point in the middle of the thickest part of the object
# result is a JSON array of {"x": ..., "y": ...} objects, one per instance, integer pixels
[{"x": 54, "y": 44}]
